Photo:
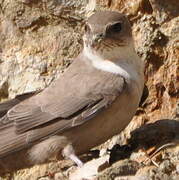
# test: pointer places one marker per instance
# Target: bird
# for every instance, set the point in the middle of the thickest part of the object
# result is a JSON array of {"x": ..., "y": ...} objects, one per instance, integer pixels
[{"x": 93, "y": 100}]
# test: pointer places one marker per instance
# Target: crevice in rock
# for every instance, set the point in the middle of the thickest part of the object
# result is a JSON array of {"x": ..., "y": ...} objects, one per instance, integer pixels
[{"x": 4, "y": 91}]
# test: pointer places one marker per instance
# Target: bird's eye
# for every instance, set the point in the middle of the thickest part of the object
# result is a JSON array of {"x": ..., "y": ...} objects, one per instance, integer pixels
[
  {"x": 116, "y": 27},
  {"x": 87, "y": 28}
]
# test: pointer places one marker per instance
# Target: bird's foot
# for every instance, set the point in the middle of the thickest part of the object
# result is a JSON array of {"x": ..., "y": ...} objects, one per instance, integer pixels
[
  {"x": 69, "y": 153},
  {"x": 75, "y": 159}
]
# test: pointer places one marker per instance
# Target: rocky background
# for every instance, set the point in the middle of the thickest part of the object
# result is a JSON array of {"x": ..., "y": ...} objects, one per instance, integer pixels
[{"x": 38, "y": 40}]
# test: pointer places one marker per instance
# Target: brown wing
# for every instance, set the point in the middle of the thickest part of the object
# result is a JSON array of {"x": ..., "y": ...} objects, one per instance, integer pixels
[
  {"x": 11, "y": 141},
  {"x": 78, "y": 118},
  {"x": 28, "y": 115},
  {"x": 58, "y": 108}
]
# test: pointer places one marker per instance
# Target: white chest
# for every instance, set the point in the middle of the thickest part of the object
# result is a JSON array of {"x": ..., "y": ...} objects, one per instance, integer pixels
[{"x": 125, "y": 69}]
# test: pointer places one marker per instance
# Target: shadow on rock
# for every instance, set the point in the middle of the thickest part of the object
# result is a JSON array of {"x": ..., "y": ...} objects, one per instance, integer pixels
[{"x": 150, "y": 135}]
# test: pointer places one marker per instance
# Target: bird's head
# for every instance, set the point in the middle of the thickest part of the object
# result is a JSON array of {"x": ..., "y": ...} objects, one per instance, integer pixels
[{"x": 107, "y": 32}]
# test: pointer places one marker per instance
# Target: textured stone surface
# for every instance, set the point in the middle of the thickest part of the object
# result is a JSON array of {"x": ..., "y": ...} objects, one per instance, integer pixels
[{"x": 38, "y": 40}]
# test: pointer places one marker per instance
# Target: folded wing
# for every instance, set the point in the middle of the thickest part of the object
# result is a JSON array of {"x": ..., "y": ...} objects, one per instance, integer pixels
[{"x": 47, "y": 113}]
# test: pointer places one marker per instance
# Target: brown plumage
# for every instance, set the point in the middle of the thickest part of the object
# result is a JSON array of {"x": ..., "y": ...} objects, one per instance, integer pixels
[{"x": 82, "y": 109}]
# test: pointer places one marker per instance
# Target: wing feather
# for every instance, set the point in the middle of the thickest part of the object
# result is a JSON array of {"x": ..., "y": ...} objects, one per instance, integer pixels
[
  {"x": 57, "y": 109},
  {"x": 27, "y": 117}
]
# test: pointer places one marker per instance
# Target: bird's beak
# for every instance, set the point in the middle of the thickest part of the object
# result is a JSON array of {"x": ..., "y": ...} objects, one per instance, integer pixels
[{"x": 98, "y": 38}]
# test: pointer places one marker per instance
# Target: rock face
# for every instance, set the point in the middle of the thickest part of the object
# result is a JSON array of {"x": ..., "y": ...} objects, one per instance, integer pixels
[{"x": 38, "y": 40}]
